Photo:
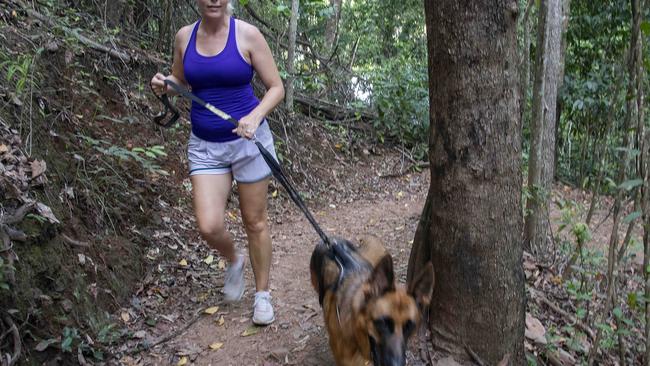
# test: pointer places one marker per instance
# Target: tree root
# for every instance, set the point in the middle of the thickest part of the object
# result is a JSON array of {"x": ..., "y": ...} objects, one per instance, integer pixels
[{"x": 13, "y": 359}]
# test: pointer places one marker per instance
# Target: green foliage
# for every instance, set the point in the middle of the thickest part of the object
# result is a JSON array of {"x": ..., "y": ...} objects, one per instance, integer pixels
[
  {"x": 18, "y": 72},
  {"x": 594, "y": 91},
  {"x": 145, "y": 156},
  {"x": 401, "y": 97},
  {"x": 72, "y": 340},
  {"x": 69, "y": 336}
]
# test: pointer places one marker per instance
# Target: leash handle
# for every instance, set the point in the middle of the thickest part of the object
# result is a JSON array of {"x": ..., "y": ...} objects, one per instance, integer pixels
[
  {"x": 275, "y": 167},
  {"x": 168, "y": 107}
]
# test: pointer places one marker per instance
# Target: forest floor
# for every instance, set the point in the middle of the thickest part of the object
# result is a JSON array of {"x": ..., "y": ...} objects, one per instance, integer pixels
[
  {"x": 353, "y": 186},
  {"x": 173, "y": 294},
  {"x": 172, "y": 299}
]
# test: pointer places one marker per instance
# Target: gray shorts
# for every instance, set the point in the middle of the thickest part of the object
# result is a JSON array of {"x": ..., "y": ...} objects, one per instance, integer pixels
[{"x": 241, "y": 156}]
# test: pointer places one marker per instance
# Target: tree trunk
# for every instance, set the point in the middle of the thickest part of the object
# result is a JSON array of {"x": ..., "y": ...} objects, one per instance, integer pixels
[
  {"x": 471, "y": 226},
  {"x": 332, "y": 25},
  {"x": 566, "y": 15},
  {"x": 524, "y": 59},
  {"x": 542, "y": 147},
  {"x": 293, "y": 30}
]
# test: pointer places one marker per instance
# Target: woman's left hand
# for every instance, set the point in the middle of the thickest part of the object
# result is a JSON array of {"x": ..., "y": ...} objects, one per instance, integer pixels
[{"x": 247, "y": 126}]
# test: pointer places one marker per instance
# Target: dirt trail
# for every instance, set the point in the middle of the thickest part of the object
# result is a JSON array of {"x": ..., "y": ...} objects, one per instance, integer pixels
[
  {"x": 186, "y": 280},
  {"x": 297, "y": 337}
]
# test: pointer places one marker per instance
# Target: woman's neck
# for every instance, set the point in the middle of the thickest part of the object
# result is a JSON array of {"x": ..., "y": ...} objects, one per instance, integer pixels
[{"x": 214, "y": 25}]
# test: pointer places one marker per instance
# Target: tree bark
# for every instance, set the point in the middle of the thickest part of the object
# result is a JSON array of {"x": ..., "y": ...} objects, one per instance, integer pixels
[
  {"x": 566, "y": 15},
  {"x": 471, "y": 225},
  {"x": 542, "y": 147},
  {"x": 524, "y": 60},
  {"x": 332, "y": 25},
  {"x": 293, "y": 30}
]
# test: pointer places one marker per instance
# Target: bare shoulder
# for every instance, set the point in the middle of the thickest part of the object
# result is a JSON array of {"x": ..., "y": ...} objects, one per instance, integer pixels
[
  {"x": 183, "y": 34},
  {"x": 249, "y": 32}
]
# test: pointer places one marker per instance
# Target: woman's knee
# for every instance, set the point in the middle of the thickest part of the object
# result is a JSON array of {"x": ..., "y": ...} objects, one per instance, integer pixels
[
  {"x": 256, "y": 225},
  {"x": 212, "y": 230}
]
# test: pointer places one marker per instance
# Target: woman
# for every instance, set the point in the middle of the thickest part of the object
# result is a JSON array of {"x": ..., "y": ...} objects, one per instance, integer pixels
[{"x": 216, "y": 57}]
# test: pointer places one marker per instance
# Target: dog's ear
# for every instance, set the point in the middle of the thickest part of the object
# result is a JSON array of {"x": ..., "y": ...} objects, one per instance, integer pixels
[
  {"x": 421, "y": 287},
  {"x": 382, "y": 278}
]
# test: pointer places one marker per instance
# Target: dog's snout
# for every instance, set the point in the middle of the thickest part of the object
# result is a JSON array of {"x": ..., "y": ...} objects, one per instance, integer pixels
[{"x": 394, "y": 352}]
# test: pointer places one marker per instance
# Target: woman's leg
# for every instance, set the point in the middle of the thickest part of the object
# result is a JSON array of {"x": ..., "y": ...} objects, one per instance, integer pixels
[
  {"x": 210, "y": 196},
  {"x": 253, "y": 202}
]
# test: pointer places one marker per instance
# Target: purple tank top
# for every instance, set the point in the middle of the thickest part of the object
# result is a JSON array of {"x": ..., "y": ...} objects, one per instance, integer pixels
[{"x": 223, "y": 80}]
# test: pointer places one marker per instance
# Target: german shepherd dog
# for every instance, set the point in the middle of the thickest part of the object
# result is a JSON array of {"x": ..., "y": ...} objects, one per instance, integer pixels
[{"x": 368, "y": 316}]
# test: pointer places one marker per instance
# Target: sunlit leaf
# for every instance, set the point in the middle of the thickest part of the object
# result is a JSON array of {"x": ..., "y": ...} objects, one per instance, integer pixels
[
  {"x": 211, "y": 310},
  {"x": 216, "y": 345},
  {"x": 252, "y": 330}
]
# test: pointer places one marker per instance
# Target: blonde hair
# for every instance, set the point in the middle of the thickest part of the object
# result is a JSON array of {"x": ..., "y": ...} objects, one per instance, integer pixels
[{"x": 231, "y": 9}]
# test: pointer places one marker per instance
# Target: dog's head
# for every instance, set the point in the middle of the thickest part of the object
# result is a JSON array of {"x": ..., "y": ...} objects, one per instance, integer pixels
[{"x": 392, "y": 313}]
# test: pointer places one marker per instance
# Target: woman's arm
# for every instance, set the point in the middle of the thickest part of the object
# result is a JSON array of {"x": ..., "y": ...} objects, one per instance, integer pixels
[
  {"x": 262, "y": 61},
  {"x": 177, "y": 75}
]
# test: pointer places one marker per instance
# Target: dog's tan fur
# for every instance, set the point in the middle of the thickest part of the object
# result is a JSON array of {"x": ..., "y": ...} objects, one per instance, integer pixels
[{"x": 351, "y": 311}]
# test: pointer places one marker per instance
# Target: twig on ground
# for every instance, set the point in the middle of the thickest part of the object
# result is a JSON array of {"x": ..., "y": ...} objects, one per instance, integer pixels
[
  {"x": 74, "y": 242},
  {"x": 411, "y": 166},
  {"x": 16, "y": 341},
  {"x": 542, "y": 299},
  {"x": 414, "y": 164},
  {"x": 170, "y": 335}
]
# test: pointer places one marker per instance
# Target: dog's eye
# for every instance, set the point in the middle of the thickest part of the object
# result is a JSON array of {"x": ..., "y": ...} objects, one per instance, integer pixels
[
  {"x": 408, "y": 328},
  {"x": 385, "y": 325}
]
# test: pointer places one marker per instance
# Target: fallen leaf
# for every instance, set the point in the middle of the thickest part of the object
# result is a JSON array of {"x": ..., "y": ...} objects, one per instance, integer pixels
[
  {"x": 252, "y": 330},
  {"x": 42, "y": 345},
  {"x": 125, "y": 317},
  {"x": 221, "y": 264},
  {"x": 557, "y": 280},
  {"x": 140, "y": 334},
  {"x": 216, "y": 345},
  {"x": 211, "y": 310},
  {"x": 46, "y": 212},
  {"x": 209, "y": 259},
  {"x": 220, "y": 321},
  {"x": 274, "y": 194},
  {"x": 183, "y": 263},
  {"x": 38, "y": 168},
  {"x": 535, "y": 330},
  {"x": 182, "y": 361},
  {"x": 3, "y": 148}
]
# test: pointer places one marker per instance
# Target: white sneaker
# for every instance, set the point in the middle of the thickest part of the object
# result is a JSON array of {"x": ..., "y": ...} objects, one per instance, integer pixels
[
  {"x": 263, "y": 312},
  {"x": 233, "y": 288}
]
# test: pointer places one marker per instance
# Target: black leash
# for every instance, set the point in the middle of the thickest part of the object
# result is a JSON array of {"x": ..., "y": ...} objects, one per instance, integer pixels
[
  {"x": 275, "y": 167},
  {"x": 160, "y": 119}
]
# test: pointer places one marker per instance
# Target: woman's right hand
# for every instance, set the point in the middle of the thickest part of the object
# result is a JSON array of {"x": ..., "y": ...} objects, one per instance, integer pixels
[{"x": 158, "y": 84}]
